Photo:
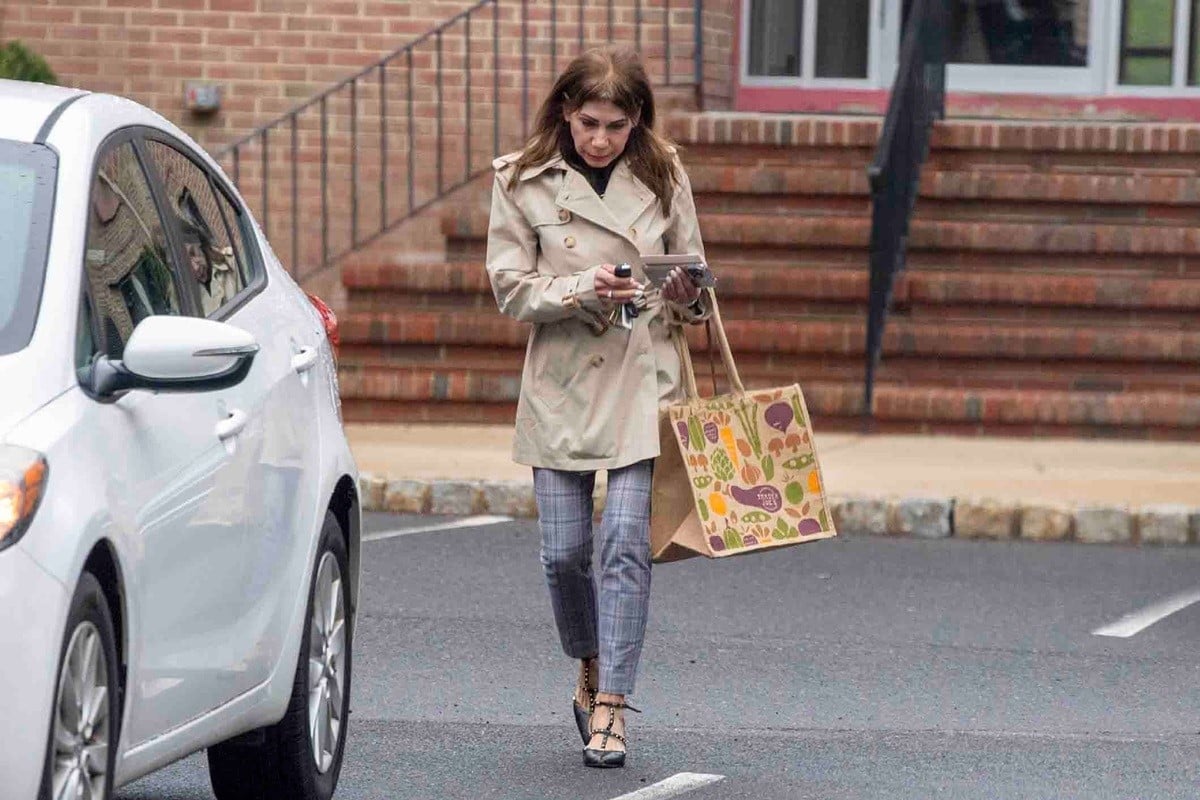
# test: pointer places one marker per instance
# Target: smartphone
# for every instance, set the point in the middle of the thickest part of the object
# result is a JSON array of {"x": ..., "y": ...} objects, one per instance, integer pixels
[{"x": 657, "y": 268}]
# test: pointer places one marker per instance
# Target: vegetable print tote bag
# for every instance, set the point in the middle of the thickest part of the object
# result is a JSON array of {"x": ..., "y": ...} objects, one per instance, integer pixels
[{"x": 737, "y": 473}]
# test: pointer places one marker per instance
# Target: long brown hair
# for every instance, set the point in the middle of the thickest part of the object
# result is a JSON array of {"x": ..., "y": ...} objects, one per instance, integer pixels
[{"x": 616, "y": 75}]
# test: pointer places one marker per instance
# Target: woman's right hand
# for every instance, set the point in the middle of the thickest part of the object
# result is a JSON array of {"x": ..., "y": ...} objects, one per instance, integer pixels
[{"x": 613, "y": 290}]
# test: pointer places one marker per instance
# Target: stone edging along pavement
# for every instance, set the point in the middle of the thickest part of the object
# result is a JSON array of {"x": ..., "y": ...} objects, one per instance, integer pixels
[{"x": 921, "y": 517}]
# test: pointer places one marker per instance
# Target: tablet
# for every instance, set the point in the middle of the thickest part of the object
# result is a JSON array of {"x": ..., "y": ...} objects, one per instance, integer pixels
[{"x": 657, "y": 268}]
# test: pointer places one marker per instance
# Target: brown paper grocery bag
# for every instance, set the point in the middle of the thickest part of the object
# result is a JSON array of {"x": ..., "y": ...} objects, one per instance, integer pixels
[{"x": 737, "y": 473}]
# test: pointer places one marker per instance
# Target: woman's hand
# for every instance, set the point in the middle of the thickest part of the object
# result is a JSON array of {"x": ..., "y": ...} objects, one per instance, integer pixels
[
  {"x": 613, "y": 290},
  {"x": 679, "y": 288}
]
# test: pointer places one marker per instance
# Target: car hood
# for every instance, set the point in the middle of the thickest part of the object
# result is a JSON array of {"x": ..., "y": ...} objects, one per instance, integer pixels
[{"x": 27, "y": 386}]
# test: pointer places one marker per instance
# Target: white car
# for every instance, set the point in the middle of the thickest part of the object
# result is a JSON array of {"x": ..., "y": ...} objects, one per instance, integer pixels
[{"x": 179, "y": 514}]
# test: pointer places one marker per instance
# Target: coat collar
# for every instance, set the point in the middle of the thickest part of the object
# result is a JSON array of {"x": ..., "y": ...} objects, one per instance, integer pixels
[{"x": 624, "y": 200}]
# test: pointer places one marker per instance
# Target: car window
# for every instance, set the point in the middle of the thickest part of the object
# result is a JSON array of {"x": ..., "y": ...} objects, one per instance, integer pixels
[
  {"x": 27, "y": 175},
  {"x": 214, "y": 259},
  {"x": 127, "y": 261}
]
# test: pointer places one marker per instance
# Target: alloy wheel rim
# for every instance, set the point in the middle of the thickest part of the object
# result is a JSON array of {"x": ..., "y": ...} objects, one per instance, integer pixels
[
  {"x": 326, "y": 663},
  {"x": 81, "y": 719}
]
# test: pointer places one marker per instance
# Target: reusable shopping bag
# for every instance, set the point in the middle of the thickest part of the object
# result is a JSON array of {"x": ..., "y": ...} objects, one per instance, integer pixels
[{"x": 737, "y": 473}]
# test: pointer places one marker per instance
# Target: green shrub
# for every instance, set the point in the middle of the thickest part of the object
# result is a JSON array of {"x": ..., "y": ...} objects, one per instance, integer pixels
[{"x": 18, "y": 62}]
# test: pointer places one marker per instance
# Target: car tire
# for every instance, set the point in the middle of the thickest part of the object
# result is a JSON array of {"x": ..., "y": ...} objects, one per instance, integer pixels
[
  {"x": 81, "y": 728},
  {"x": 280, "y": 761}
]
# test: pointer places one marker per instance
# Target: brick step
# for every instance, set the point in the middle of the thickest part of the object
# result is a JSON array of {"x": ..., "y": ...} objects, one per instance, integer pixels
[
  {"x": 929, "y": 209},
  {"x": 1135, "y": 349},
  {"x": 1021, "y": 186},
  {"x": 368, "y": 395},
  {"x": 758, "y": 369},
  {"x": 783, "y": 308},
  {"x": 1108, "y": 145},
  {"x": 780, "y": 289},
  {"x": 855, "y": 258},
  {"x": 834, "y": 230}
]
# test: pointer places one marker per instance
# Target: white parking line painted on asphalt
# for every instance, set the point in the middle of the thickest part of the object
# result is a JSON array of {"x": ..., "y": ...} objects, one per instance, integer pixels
[
  {"x": 676, "y": 784},
  {"x": 1137, "y": 621},
  {"x": 466, "y": 522}
]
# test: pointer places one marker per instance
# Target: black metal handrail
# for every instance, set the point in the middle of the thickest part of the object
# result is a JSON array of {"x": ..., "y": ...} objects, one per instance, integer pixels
[
  {"x": 917, "y": 101},
  {"x": 411, "y": 121}
]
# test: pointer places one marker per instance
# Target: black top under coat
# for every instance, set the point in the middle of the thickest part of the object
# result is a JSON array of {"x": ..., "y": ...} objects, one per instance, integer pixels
[{"x": 596, "y": 176}]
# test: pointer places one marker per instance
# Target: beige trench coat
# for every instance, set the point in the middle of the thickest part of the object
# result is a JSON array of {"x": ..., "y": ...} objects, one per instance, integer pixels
[{"x": 587, "y": 401}]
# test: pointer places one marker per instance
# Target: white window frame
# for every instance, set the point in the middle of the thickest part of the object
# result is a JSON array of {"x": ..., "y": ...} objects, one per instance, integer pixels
[
  {"x": 883, "y": 15},
  {"x": 1178, "y": 87},
  {"x": 1090, "y": 80}
]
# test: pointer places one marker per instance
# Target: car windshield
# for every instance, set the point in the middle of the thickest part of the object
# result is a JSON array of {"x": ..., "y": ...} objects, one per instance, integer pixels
[{"x": 26, "y": 197}]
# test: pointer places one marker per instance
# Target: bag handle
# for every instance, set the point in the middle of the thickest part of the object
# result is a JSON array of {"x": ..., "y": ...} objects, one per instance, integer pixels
[
  {"x": 686, "y": 371},
  {"x": 685, "y": 358}
]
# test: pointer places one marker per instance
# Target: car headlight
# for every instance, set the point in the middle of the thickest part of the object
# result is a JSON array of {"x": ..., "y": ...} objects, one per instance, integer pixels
[{"x": 22, "y": 484}]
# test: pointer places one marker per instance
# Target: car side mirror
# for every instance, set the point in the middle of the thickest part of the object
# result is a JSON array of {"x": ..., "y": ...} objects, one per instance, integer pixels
[{"x": 177, "y": 354}]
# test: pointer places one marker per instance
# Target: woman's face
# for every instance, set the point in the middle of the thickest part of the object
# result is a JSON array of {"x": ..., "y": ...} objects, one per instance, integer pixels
[{"x": 600, "y": 131}]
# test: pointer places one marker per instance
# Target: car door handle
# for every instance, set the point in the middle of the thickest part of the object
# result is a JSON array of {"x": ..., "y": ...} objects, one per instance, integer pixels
[
  {"x": 232, "y": 425},
  {"x": 305, "y": 359}
]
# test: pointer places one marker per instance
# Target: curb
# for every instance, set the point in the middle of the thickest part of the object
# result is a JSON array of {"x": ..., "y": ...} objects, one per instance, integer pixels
[{"x": 917, "y": 517}]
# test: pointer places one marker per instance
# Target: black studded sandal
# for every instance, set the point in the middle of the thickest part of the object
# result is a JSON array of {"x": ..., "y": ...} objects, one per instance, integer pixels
[
  {"x": 607, "y": 759},
  {"x": 583, "y": 716}
]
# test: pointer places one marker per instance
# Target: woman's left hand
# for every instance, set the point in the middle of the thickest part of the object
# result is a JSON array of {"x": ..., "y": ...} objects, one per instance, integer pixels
[{"x": 679, "y": 288}]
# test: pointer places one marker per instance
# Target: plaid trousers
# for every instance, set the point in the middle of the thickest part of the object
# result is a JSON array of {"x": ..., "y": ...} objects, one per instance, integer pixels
[{"x": 613, "y": 630}]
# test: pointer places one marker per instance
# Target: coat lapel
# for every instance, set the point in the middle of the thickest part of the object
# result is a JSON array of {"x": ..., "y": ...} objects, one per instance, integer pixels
[
  {"x": 627, "y": 196},
  {"x": 624, "y": 200}
]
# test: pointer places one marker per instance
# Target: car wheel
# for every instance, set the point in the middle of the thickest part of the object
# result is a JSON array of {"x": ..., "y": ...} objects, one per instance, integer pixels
[
  {"x": 300, "y": 757},
  {"x": 85, "y": 717}
]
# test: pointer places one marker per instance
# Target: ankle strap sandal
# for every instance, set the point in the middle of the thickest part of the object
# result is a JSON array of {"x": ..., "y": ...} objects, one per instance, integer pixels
[
  {"x": 593, "y": 757},
  {"x": 583, "y": 715}
]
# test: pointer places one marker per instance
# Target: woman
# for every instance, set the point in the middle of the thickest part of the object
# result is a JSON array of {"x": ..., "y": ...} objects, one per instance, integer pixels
[{"x": 594, "y": 187}]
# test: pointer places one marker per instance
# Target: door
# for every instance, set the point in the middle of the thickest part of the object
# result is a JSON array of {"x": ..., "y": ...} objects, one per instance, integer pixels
[
  {"x": 1026, "y": 46},
  {"x": 167, "y": 457},
  {"x": 274, "y": 470}
]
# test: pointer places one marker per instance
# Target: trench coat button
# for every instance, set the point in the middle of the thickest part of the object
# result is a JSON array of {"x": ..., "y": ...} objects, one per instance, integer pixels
[
  {"x": 564, "y": 215},
  {"x": 633, "y": 233},
  {"x": 569, "y": 242},
  {"x": 596, "y": 361}
]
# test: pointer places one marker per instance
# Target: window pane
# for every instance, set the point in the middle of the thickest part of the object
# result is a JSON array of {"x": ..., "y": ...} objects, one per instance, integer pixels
[
  {"x": 211, "y": 259},
  {"x": 775, "y": 36},
  {"x": 27, "y": 176},
  {"x": 1029, "y": 33},
  {"x": 237, "y": 225},
  {"x": 127, "y": 263},
  {"x": 843, "y": 38},
  {"x": 1147, "y": 42}
]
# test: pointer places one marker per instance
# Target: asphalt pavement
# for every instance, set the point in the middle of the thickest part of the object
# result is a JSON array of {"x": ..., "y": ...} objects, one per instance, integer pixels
[{"x": 860, "y": 667}]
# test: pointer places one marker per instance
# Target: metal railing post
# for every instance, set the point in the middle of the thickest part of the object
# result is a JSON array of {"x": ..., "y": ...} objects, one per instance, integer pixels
[
  {"x": 637, "y": 25},
  {"x": 412, "y": 139},
  {"x": 667, "y": 38},
  {"x": 495, "y": 78},
  {"x": 324, "y": 183},
  {"x": 525, "y": 69},
  {"x": 383, "y": 164},
  {"x": 439, "y": 137},
  {"x": 698, "y": 51},
  {"x": 295, "y": 196},
  {"x": 266, "y": 181},
  {"x": 467, "y": 96},
  {"x": 354, "y": 163}
]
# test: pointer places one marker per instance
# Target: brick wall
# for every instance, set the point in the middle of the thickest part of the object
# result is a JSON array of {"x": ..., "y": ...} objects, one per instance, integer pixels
[
  {"x": 269, "y": 55},
  {"x": 381, "y": 160}
]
